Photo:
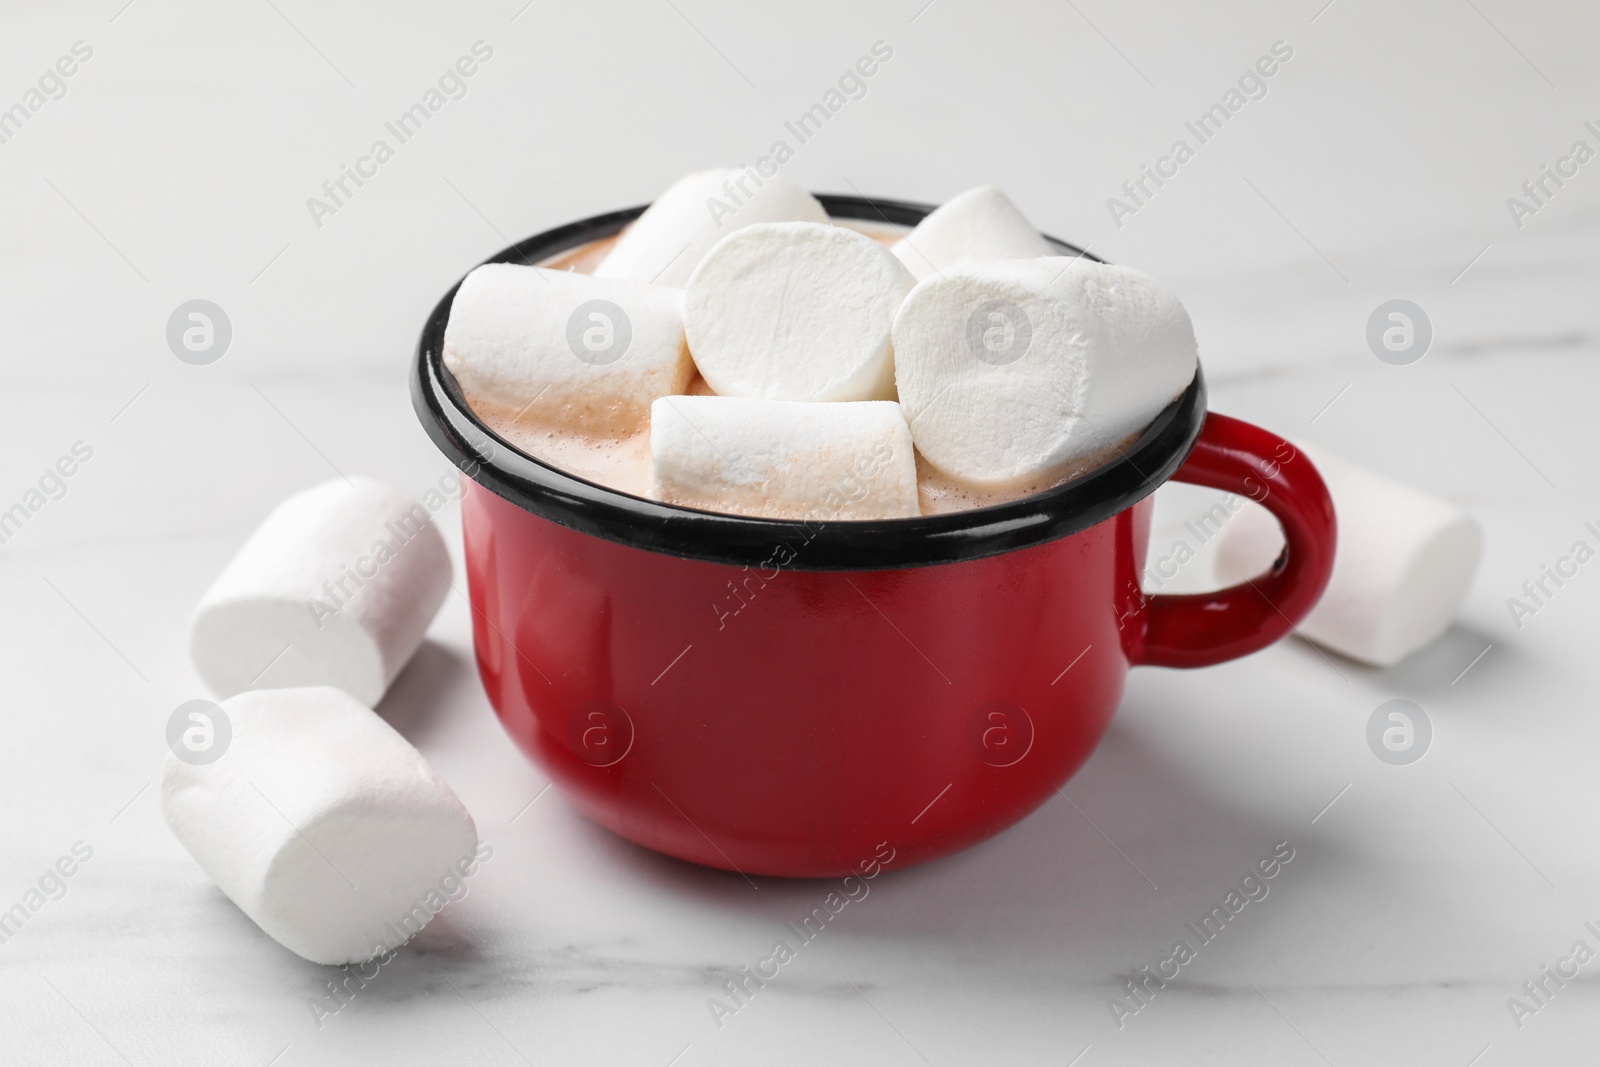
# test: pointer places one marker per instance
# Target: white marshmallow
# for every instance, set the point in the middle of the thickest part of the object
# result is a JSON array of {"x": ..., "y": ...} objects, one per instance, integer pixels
[
  {"x": 1011, "y": 370},
  {"x": 1404, "y": 562},
  {"x": 321, "y": 823},
  {"x": 795, "y": 311},
  {"x": 667, "y": 242},
  {"x": 337, "y": 587},
  {"x": 782, "y": 458},
  {"x": 566, "y": 347},
  {"x": 979, "y": 224}
]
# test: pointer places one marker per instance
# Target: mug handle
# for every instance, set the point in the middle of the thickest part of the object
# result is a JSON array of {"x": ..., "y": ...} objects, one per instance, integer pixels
[{"x": 1199, "y": 629}]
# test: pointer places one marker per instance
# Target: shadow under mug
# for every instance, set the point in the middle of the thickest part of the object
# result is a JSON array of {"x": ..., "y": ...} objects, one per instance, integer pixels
[{"x": 787, "y": 698}]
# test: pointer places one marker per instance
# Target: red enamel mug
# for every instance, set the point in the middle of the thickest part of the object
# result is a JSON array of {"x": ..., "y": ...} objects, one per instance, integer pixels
[{"x": 784, "y": 698}]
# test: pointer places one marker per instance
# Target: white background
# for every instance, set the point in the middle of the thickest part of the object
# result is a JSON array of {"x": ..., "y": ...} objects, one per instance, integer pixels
[{"x": 178, "y": 165}]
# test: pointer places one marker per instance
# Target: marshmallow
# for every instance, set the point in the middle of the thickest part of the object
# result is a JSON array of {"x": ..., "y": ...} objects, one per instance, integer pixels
[
  {"x": 667, "y": 242},
  {"x": 782, "y": 458},
  {"x": 320, "y": 822},
  {"x": 1400, "y": 572},
  {"x": 1014, "y": 369},
  {"x": 336, "y": 587},
  {"x": 795, "y": 311},
  {"x": 979, "y": 224},
  {"x": 575, "y": 349}
]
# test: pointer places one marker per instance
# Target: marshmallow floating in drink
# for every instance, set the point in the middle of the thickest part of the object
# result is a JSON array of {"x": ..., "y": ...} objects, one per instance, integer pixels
[
  {"x": 566, "y": 347},
  {"x": 324, "y": 825},
  {"x": 784, "y": 459},
  {"x": 796, "y": 311},
  {"x": 336, "y": 587},
  {"x": 979, "y": 224},
  {"x": 667, "y": 242},
  {"x": 1012, "y": 370},
  {"x": 1404, "y": 562}
]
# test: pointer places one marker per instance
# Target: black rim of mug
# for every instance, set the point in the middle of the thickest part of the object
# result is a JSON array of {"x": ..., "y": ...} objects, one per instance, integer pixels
[{"x": 854, "y": 545}]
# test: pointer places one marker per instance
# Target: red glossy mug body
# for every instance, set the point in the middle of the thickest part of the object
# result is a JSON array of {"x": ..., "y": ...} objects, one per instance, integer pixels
[{"x": 782, "y": 698}]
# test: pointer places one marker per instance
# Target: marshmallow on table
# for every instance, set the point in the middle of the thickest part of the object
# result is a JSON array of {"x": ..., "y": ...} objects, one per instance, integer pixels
[
  {"x": 981, "y": 223},
  {"x": 1401, "y": 570},
  {"x": 324, "y": 825},
  {"x": 783, "y": 458},
  {"x": 1011, "y": 370},
  {"x": 337, "y": 587},
  {"x": 667, "y": 242},
  {"x": 592, "y": 352},
  {"x": 795, "y": 311}
]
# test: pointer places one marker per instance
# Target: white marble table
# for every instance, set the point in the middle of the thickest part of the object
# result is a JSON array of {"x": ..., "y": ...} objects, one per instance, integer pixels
[{"x": 177, "y": 165}]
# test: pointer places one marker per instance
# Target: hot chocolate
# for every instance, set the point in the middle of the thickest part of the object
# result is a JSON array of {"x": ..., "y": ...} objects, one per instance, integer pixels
[
  {"x": 766, "y": 360},
  {"x": 617, "y": 455}
]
